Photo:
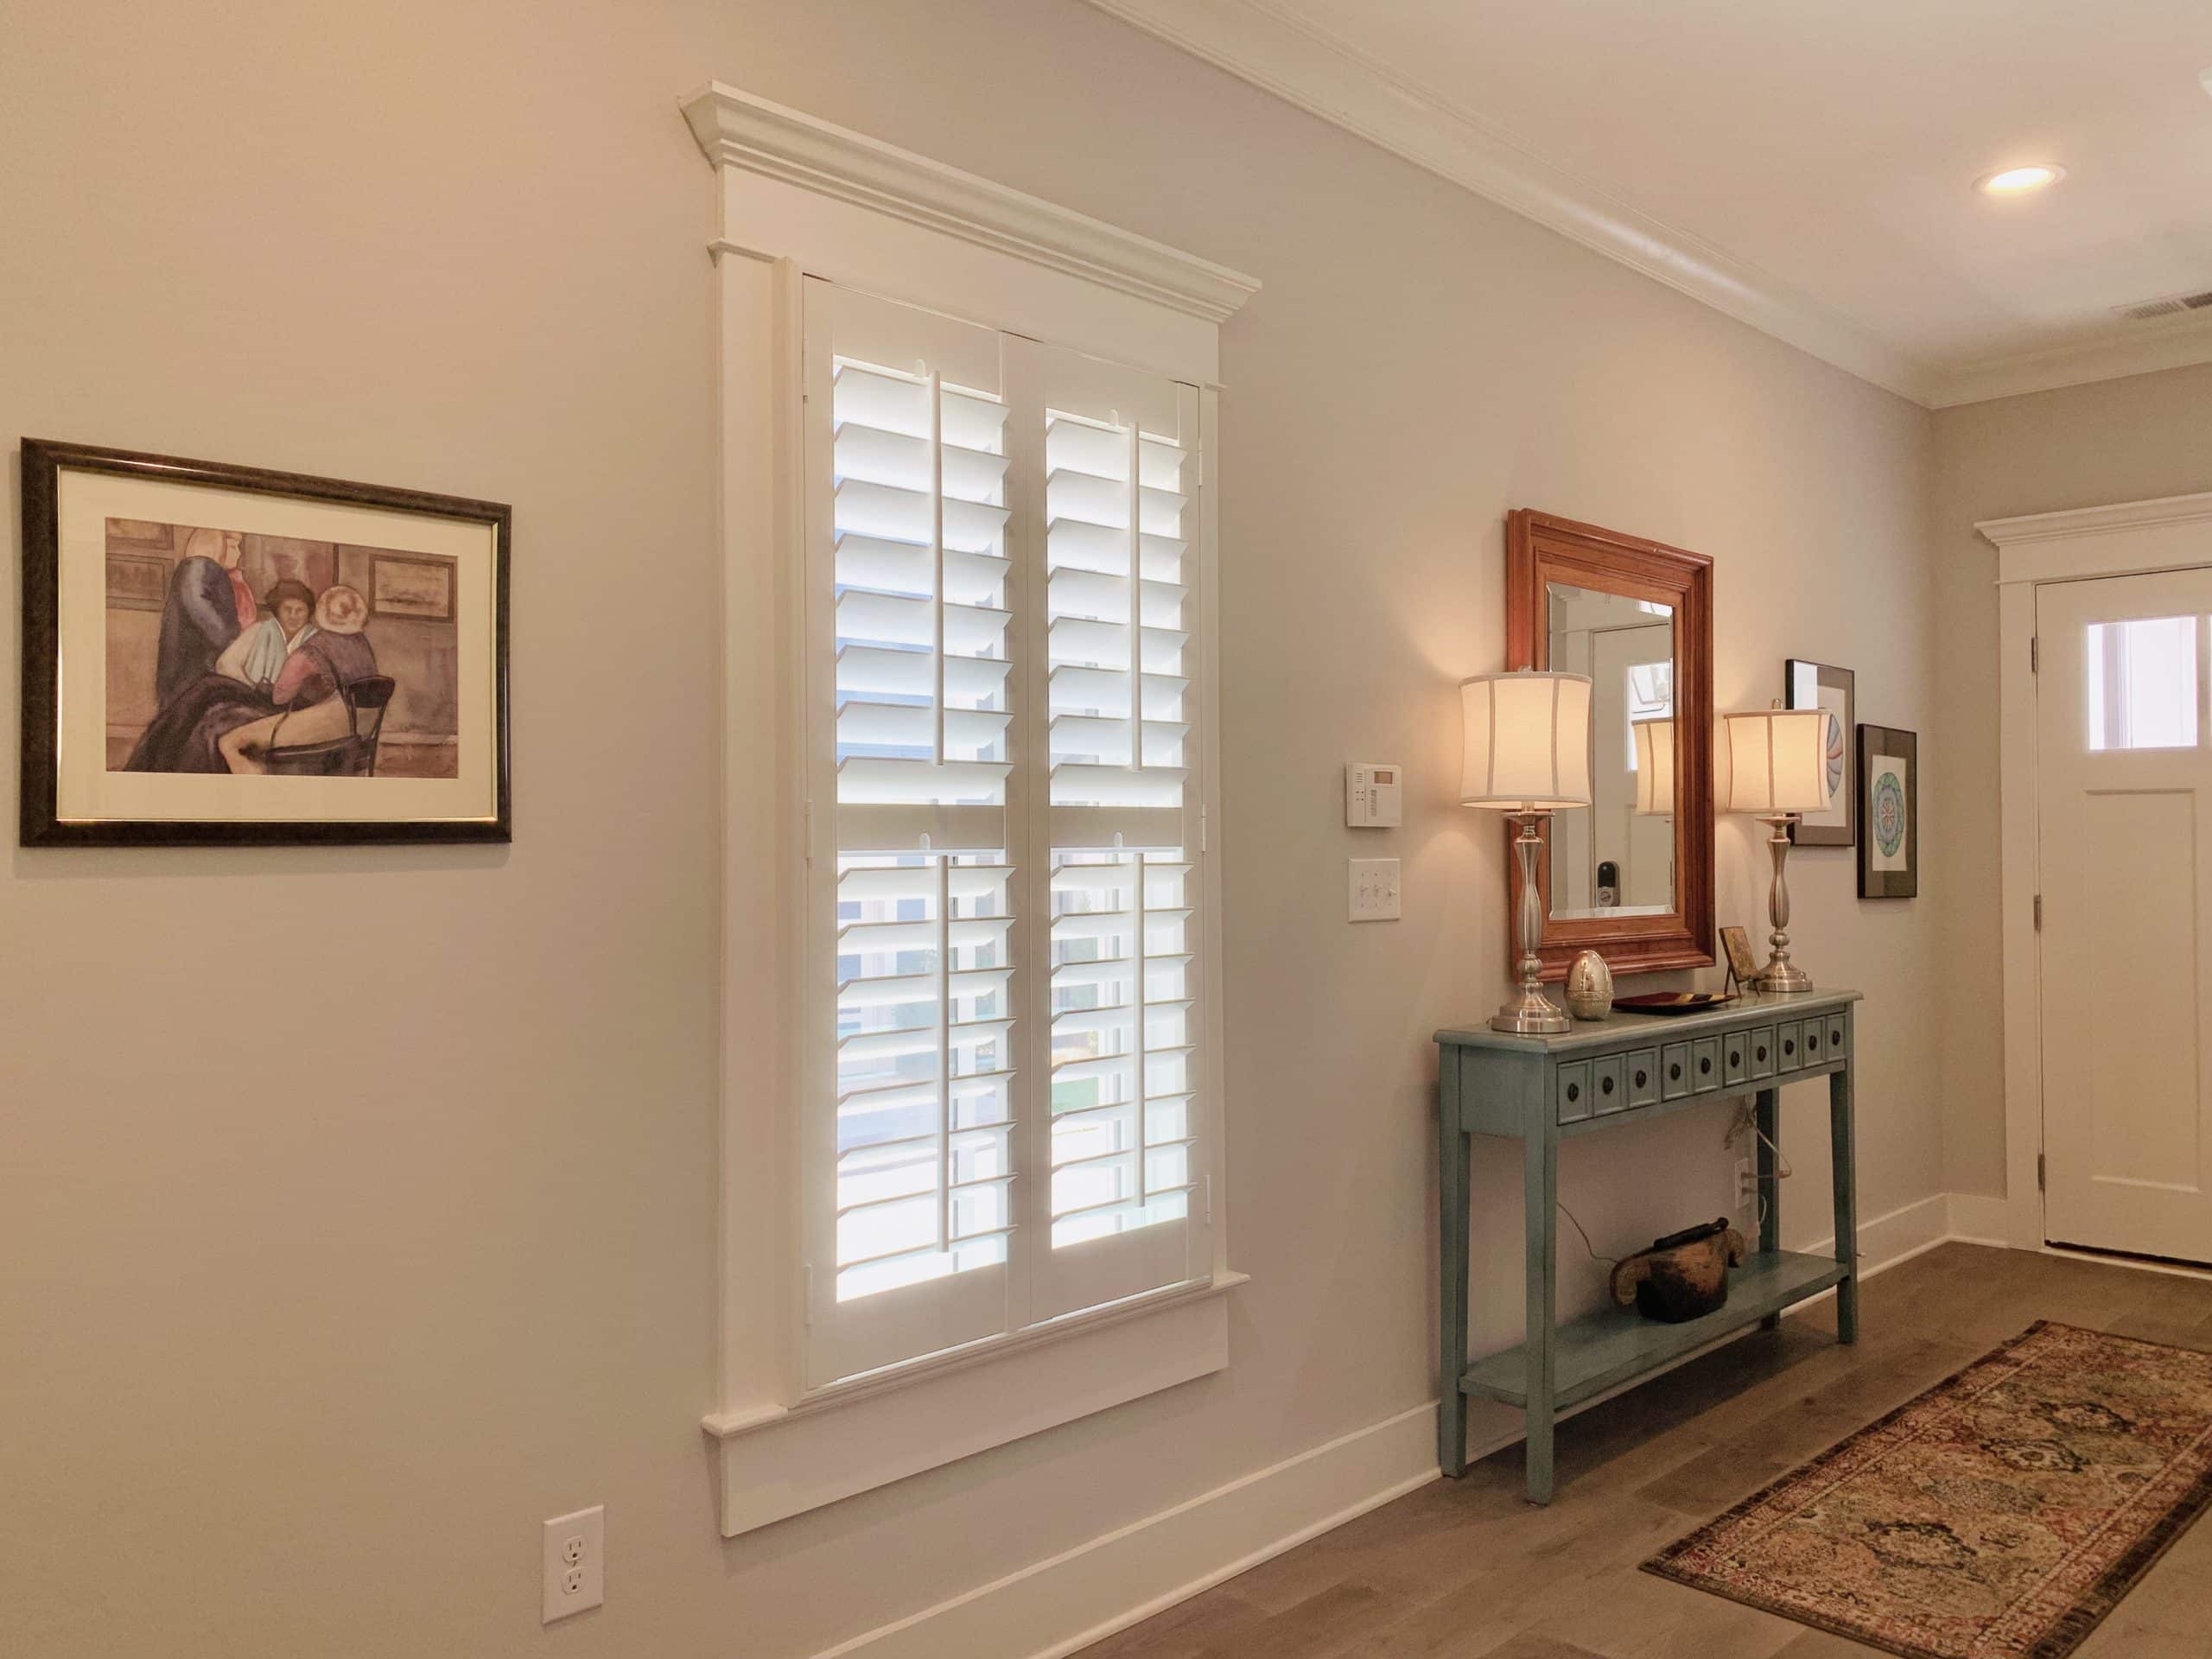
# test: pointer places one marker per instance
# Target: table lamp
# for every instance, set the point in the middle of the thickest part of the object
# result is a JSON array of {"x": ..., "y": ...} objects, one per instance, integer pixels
[
  {"x": 1526, "y": 753},
  {"x": 1655, "y": 768},
  {"x": 1773, "y": 764}
]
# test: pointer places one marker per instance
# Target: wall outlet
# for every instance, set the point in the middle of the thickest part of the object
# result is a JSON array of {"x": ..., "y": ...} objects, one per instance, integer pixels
[
  {"x": 1747, "y": 1183},
  {"x": 575, "y": 1562},
  {"x": 1375, "y": 889}
]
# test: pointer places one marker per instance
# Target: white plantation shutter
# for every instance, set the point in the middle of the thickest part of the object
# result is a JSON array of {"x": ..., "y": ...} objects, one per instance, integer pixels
[{"x": 1003, "y": 1122}]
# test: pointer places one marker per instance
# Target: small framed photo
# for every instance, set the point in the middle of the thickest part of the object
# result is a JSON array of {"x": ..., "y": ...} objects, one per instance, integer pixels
[
  {"x": 222, "y": 655},
  {"x": 1889, "y": 781},
  {"x": 1738, "y": 946},
  {"x": 1818, "y": 685}
]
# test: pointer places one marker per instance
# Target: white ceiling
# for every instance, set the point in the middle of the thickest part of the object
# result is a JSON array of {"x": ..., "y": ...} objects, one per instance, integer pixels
[{"x": 1806, "y": 167}]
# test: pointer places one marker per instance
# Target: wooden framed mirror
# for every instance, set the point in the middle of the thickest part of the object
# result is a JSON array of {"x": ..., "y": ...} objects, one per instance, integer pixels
[{"x": 1632, "y": 878}]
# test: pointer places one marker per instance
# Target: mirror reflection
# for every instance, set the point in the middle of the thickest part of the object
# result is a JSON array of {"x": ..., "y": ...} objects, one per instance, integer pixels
[{"x": 1618, "y": 859}]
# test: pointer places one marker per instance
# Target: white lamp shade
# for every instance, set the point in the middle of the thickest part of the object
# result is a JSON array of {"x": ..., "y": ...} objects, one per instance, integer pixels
[
  {"x": 1774, "y": 761},
  {"x": 1526, "y": 743},
  {"x": 1655, "y": 767}
]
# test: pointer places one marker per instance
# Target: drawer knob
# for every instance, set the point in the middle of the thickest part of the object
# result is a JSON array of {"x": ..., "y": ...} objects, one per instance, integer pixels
[
  {"x": 1641, "y": 1079},
  {"x": 1574, "y": 1091},
  {"x": 1674, "y": 1073},
  {"x": 1604, "y": 1085},
  {"x": 1734, "y": 1057},
  {"x": 1705, "y": 1065},
  {"x": 1812, "y": 1041},
  {"x": 1761, "y": 1052},
  {"x": 1789, "y": 1046}
]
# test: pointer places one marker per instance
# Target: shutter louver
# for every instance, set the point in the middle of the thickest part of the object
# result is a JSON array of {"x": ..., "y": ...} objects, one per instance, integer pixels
[
  {"x": 1000, "y": 677},
  {"x": 1121, "y": 990}
]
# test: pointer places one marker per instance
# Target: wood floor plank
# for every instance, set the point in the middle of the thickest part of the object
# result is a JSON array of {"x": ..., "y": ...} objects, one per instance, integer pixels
[{"x": 1466, "y": 1569}]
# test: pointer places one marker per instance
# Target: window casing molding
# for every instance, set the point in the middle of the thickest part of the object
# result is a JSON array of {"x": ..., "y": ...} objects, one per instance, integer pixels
[{"x": 799, "y": 197}]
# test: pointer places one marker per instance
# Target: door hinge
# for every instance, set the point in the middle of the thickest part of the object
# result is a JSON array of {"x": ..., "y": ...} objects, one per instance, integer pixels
[
  {"x": 2040, "y": 1173},
  {"x": 2038, "y": 913},
  {"x": 2035, "y": 654}
]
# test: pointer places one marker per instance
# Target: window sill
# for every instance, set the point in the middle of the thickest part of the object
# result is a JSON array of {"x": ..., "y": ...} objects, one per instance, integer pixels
[{"x": 779, "y": 1461}]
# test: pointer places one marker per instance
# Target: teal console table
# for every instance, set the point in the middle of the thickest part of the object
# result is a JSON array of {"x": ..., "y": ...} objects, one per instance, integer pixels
[{"x": 1629, "y": 1068}]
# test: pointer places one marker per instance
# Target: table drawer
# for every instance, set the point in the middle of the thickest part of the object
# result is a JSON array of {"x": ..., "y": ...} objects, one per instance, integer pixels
[
  {"x": 1609, "y": 1080},
  {"x": 1705, "y": 1065},
  {"x": 1736, "y": 1059},
  {"x": 1673, "y": 1070},
  {"x": 1814, "y": 1037},
  {"x": 1571, "y": 1091},
  {"x": 1838, "y": 1035},
  {"x": 1642, "y": 1077},
  {"x": 1760, "y": 1038},
  {"x": 1789, "y": 1046}
]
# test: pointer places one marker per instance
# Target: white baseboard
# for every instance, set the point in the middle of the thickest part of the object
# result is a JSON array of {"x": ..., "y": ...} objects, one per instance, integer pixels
[
  {"x": 1054, "y": 1607},
  {"x": 1085, "y": 1594}
]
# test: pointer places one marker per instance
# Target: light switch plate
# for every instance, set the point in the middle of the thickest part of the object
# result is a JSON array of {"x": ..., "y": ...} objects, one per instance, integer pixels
[
  {"x": 575, "y": 1562},
  {"x": 1375, "y": 889}
]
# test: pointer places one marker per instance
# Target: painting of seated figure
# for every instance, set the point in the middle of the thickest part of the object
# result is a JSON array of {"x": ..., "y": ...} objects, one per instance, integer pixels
[{"x": 260, "y": 657}]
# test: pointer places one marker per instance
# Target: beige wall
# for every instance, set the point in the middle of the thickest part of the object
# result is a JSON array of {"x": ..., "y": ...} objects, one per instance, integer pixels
[
  {"x": 313, "y": 1302},
  {"x": 2131, "y": 440}
]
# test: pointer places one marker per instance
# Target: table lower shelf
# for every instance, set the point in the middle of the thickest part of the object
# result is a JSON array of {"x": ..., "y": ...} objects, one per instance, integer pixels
[{"x": 1620, "y": 1344}]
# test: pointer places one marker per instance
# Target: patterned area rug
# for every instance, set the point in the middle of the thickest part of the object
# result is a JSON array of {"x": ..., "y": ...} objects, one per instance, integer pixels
[{"x": 1999, "y": 1515}]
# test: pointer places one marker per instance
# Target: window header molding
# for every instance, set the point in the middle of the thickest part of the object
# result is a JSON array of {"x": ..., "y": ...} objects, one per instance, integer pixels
[{"x": 740, "y": 129}]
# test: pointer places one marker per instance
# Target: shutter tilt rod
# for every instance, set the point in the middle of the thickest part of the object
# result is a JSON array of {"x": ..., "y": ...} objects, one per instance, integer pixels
[{"x": 937, "y": 547}]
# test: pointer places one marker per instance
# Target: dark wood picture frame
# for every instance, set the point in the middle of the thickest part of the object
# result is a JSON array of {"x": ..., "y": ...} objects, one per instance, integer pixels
[
  {"x": 1890, "y": 884},
  {"x": 1802, "y": 684},
  {"x": 1541, "y": 549},
  {"x": 44, "y": 460}
]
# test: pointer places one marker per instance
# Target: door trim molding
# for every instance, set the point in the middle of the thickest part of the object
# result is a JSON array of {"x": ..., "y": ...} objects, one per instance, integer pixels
[{"x": 2129, "y": 539}]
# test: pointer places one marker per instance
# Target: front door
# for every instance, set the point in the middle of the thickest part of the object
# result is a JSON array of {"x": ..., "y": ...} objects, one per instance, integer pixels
[{"x": 2124, "y": 785}]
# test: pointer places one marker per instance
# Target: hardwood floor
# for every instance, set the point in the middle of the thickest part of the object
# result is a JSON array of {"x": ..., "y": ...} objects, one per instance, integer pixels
[{"x": 1466, "y": 1570}]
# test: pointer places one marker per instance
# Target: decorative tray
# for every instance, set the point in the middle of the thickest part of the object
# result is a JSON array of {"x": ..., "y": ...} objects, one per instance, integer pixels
[{"x": 1672, "y": 1001}]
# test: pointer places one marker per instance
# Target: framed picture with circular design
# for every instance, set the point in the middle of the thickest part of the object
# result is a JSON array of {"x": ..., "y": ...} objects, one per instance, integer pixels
[
  {"x": 1820, "y": 685},
  {"x": 1889, "y": 790}
]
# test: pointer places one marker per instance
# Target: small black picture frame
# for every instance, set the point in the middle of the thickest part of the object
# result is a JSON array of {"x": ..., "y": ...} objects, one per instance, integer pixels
[
  {"x": 368, "y": 689},
  {"x": 1813, "y": 686},
  {"x": 1889, "y": 781}
]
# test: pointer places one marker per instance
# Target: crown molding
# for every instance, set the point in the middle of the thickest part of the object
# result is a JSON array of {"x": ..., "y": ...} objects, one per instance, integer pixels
[
  {"x": 2141, "y": 349},
  {"x": 1328, "y": 78},
  {"x": 738, "y": 130}
]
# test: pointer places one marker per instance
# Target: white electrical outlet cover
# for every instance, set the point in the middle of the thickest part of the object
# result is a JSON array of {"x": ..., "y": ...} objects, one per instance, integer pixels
[{"x": 575, "y": 1562}]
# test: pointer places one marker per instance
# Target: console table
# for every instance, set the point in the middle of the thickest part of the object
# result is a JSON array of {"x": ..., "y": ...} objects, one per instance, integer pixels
[{"x": 1629, "y": 1068}]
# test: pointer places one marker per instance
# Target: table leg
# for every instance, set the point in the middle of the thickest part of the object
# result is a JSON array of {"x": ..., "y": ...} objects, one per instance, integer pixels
[
  {"x": 1452, "y": 1282},
  {"x": 1846, "y": 1160},
  {"x": 1542, "y": 1195},
  {"x": 1768, "y": 1119}
]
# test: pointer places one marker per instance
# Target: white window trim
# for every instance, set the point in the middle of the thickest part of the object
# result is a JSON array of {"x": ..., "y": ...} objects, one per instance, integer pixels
[
  {"x": 799, "y": 197},
  {"x": 2078, "y": 545}
]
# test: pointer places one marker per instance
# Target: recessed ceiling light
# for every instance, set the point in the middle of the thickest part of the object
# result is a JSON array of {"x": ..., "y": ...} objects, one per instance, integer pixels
[{"x": 2018, "y": 180}]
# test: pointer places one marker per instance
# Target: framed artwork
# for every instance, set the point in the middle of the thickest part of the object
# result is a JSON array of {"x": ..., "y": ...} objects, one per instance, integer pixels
[
  {"x": 1889, "y": 782},
  {"x": 1816, "y": 685},
  {"x": 1738, "y": 943},
  {"x": 222, "y": 655}
]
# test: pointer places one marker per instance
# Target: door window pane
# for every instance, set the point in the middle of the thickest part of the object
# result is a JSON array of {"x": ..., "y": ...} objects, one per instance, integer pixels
[{"x": 2142, "y": 677}]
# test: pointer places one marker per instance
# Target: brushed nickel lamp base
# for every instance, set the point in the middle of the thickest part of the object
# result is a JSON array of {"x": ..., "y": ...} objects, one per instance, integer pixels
[
  {"x": 1529, "y": 1013},
  {"x": 1780, "y": 975}
]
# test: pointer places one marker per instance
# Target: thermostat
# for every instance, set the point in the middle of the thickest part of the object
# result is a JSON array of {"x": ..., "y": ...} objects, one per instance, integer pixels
[{"x": 1373, "y": 795}]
